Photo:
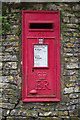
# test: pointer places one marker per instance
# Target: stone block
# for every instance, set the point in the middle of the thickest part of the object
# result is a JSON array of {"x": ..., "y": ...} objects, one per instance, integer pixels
[
  {"x": 74, "y": 113},
  {"x": 67, "y": 14},
  {"x": 65, "y": 7},
  {"x": 72, "y": 65},
  {"x": 8, "y": 58},
  {"x": 68, "y": 50},
  {"x": 1, "y": 65},
  {"x": 11, "y": 49},
  {"x": 14, "y": 112},
  {"x": 76, "y": 89},
  {"x": 74, "y": 20},
  {"x": 10, "y": 72},
  {"x": 19, "y": 118},
  {"x": 8, "y": 79},
  {"x": 30, "y": 113},
  {"x": 74, "y": 101},
  {"x": 71, "y": 72},
  {"x": 72, "y": 107},
  {"x": 68, "y": 54},
  {"x": 46, "y": 114},
  {"x": 63, "y": 113},
  {"x": 73, "y": 96},
  {"x": 13, "y": 100},
  {"x": 76, "y": 7},
  {"x": 48, "y": 118},
  {"x": 66, "y": 19},
  {"x": 68, "y": 90},
  {"x": 10, "y": 44},
  {"x": 52, "y": 7},
  {"x": 10, "y": 65},
  {"x": 8, "y": 106},
  {"x": 5, "y": 112},
  {"x": 8, "y": 86},
  {"x": 37, "y": 7}
]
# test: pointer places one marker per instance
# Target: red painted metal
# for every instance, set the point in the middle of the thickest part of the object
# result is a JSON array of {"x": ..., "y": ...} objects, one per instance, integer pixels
[{"x": 41, "y": 83}]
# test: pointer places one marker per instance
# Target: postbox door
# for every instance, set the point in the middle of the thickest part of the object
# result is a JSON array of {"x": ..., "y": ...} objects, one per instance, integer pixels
[{"x": 41, "y": 63}]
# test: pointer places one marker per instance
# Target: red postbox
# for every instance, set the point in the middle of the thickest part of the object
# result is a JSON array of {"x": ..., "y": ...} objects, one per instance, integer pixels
[{"x": 41, "y": 56}]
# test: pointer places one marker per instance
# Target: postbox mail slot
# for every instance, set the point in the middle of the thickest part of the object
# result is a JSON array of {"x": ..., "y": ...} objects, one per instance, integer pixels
[
  {"x": 40, "y": 25},
  {"x": 41, "y": 56}
]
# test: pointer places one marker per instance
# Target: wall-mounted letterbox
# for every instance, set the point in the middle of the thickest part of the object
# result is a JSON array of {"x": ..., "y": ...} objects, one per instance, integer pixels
[{"x": 41, "y": 55}]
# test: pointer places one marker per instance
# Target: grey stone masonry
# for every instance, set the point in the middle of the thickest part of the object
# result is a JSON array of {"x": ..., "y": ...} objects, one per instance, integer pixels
[{"x": 11, "y": 64}]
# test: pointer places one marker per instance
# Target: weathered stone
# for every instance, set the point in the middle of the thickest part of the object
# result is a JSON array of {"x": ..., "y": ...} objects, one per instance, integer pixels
[
  {"x": 31, "y": 113},
  {"x": 76, "y": 89},
  {"x": 8, "y": 58},
  {"x": 4, "y": 100},
  {"x": 67, "y": 14},
  {"x": 14, "y": 26},
  {"x": 66, "y": 19},
  {"x": 78, "y": 82},
  {"x": 10, "y": 72},
  {"x": 48, "y": 118},
  {"x": 74, "y": 101},
  {"x": 68, "y": 90},
  {"x": 5, "y": 112},
  {"x": 45, "y": 114},
  {"x": 12, "y": 49},
  {"x": 74, "y": 59},
  {"x": 72, "y": 107},
  {"x": 62, "y": 113},
  {"x": 8, "y": 86},
  {"x": 10, "y": 37},
  {"x": 69, "y": 84},
  {"x": 72, "y": 25},
  {"x": 1, "y": 65},
  {"x": 10, "y": 44},
  {"x": 71, "y": 45},
  {"x": 68, "y": 50},
  {"x": 72, "y": 65},
  {"x": 68, "y": 54},
  {"x": 10, "y": 92},
  {"x": 74, "y": 20},
  {"x": 8, "y": 106},
  {"x": 52, "y": 7},
  {"x": 38, "y": 6},
  {"x": 1, "y": 48},
  {"x": 73, "y": 96},
  {"x": 76, "y": 7},
  {"x": 19, "y": 118},
  {"x": 74, "y": 39},
  {"x": 70, "y": 30},
  {"x": 77, "y": 54},
  {"x": 47, "y": 108},
  {"x": 68, "y": 34},
  {"x": 14, "y": 112},
  {"x": 62, "y": 108},
  {"x": 65, "y": 7},
  {"x": 76, "y": 50},
  {"x": 8, "y": 79},
  {"x": 13, "y": 100},
  {"x": 74, "y": 113},
  {"x": 70, "y": 72},
  {"x": 10, "y": 65}
]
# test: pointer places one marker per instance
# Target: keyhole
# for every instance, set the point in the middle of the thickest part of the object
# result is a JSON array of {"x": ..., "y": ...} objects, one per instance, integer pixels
[{"x": 32, "y": 70}]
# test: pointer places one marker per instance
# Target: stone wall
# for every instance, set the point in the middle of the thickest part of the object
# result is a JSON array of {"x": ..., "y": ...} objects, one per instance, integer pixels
[{"x": 11, "y": 64}]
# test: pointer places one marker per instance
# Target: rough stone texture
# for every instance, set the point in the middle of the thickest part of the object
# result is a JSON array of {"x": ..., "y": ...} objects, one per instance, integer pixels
[{"x": 11, "y": 65}]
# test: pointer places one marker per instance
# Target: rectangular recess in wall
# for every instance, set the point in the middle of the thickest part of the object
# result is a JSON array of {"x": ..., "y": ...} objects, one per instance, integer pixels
[{"x": 41, "y": 56}]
